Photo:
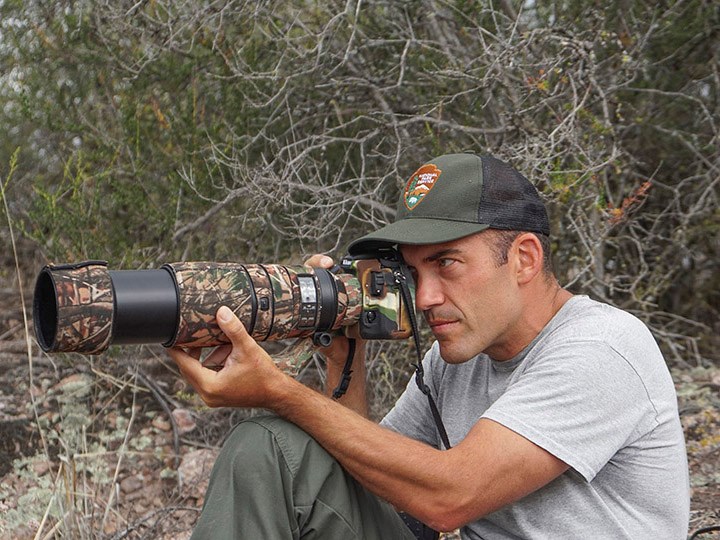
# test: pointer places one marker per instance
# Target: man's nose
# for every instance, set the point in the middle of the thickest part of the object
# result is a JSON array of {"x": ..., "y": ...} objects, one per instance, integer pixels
[{"x": 428, "y": 293}]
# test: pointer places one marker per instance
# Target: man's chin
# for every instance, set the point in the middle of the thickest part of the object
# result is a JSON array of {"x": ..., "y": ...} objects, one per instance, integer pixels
[{"x": 452, "y": 355}]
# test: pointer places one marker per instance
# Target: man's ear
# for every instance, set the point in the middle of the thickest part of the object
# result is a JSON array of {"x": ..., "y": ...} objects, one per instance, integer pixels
[{"x": 529, "y": 257}]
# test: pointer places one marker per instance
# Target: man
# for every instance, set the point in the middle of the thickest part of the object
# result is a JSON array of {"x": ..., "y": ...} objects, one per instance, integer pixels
[{"x": 560, "y": 411}]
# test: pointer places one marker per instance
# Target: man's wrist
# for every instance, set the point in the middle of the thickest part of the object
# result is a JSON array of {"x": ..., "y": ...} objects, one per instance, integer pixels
[{"x": 279, "y": 390}]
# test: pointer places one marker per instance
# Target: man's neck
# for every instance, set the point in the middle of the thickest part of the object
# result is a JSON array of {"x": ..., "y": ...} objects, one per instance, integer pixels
[{"x": 542, "y": 304}]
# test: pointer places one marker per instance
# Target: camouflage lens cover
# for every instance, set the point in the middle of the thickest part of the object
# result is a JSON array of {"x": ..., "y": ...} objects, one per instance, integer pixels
[
  {"x": 349, "y": 300},
  {"x": 81, "y": 318},
  {"x": 266, "y": 298},
  {"x": 286, "y": 302},
  {"x": 202, "y": 288}
]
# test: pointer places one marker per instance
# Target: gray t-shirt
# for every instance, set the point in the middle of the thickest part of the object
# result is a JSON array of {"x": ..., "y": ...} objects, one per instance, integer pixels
[{"x": 593, "y": 390}]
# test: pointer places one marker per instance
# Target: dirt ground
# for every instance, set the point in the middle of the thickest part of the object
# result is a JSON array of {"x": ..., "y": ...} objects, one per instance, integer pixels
[{"x": 119, "y": 447}]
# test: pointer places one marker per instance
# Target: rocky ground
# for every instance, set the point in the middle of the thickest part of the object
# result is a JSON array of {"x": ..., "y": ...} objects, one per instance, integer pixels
[{"x": 119, "y": 447}]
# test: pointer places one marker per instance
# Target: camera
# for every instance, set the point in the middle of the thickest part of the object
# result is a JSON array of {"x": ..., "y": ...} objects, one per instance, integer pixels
[{"x": 85, "y": 307}]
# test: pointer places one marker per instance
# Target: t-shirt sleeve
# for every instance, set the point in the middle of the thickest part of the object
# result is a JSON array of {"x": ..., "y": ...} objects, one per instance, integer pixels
[
  {"x": 582, "y": 402},
  {"x": 411, "y": 414}
]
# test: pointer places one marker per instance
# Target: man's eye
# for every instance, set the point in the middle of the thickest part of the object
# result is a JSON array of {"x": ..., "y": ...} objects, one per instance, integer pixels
[{"x": 443, "y": 263}]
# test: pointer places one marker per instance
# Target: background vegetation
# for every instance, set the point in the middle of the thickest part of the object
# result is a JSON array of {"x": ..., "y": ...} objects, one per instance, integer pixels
[{"x": 148, "y": 131}]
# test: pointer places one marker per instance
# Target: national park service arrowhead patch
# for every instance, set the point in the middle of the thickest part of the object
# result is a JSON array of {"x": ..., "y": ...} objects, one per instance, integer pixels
[{"x": 420, "y": 184}]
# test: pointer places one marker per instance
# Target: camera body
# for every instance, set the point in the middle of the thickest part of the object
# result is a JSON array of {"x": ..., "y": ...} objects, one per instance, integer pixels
[
  {"x": 85, "y": 307},
  {"x": 383, "y": 314}
]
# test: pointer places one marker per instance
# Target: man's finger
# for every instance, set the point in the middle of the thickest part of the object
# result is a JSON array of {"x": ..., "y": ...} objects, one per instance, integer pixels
[
  {"x": 191, "y": 369},
  {"x": 319, "y": 261},
  {"x": 218, "y": 356},
  {"x": 233, "y": 328}
]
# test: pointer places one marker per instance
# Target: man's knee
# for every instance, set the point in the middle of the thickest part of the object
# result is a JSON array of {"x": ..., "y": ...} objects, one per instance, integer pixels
[
  {"x": 272, "y": 467},
  {"x": 250, "y": 491},
  {"x": 263, "y": 442}
]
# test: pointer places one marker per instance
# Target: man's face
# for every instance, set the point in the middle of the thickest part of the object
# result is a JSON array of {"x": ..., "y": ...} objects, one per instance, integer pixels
[{"x": 471, "y": 304}]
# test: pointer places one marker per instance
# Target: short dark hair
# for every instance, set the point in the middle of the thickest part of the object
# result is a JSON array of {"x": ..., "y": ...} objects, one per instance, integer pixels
[{"x": 502, "y": 240}]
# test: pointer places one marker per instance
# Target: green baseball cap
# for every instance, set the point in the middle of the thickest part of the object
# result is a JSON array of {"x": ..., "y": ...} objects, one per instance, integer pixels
[{"x": 456, "y": 195}]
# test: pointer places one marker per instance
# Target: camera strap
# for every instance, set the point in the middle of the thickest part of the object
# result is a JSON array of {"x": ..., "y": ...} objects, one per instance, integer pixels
[
  {"x": 342, "y": 386},
  {"x": 401, "y": 280}
]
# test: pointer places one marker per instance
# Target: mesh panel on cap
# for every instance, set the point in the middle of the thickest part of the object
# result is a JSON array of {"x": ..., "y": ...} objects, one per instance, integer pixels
[{"x": 509, "y": 201}]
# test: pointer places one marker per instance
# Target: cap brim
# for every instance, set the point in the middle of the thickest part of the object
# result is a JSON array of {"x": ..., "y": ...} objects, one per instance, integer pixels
[{"x": 414, "y": 231}]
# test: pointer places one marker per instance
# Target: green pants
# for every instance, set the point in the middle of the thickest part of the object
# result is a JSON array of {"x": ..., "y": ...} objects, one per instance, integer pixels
[{"x": 273, "y": 481}]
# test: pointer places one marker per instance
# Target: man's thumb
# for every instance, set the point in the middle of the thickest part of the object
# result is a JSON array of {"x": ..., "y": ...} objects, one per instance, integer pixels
[{"x": 232, "y": 327}]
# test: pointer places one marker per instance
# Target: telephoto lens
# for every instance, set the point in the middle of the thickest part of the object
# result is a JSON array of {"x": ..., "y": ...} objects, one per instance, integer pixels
[{"x": 85, "y": 307}]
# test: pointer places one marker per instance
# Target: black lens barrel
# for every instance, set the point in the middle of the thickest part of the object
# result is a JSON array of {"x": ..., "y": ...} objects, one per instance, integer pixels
[{"x": 146, "y": 306}]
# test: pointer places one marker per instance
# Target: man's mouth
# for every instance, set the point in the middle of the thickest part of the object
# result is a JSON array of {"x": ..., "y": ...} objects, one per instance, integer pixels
[{"x": 441, "y": 326}]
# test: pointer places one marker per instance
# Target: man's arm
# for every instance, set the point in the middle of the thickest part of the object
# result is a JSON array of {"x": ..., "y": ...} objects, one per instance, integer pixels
[{"x": 491, "y": 467}]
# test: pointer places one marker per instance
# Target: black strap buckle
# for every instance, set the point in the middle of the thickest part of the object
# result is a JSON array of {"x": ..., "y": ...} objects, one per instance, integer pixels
[{"x": 342, "y": 386}]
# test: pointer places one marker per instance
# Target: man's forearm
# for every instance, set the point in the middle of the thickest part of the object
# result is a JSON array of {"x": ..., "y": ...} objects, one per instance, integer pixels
[
  {"x": 390, "y": 465},
  {"x": 493, "y": 466}
]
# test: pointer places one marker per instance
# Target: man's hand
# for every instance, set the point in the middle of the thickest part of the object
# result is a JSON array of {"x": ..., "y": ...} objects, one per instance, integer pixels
[{"x": 241, "y": 374}]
